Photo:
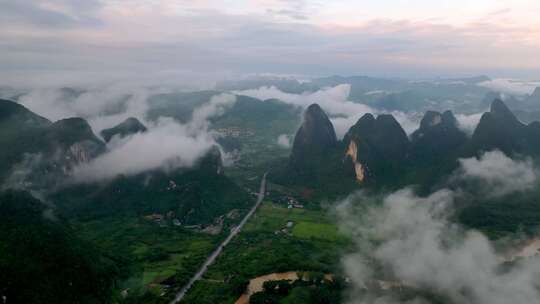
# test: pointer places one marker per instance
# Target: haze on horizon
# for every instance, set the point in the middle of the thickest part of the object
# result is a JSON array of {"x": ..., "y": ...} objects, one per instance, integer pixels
[{"x": 59, "y": 40}]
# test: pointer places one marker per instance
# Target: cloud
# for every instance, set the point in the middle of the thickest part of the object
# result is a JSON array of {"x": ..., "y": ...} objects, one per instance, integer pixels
[
  {"x": 409, "y": 241},
  {"x": 22, "y": 172},
  {"x": 468, "y": 122},
  {"x": 511, "y": 86},
  {"x": 284, "y": 141},
  {"x": 335, "y": 102},
  {"x": 498, "y": 173},
  {"x": 333, "y": 99},
  {"x": 151, "y": 36},
  {"x": 50, "y": 13},
  {"x": 103, "y": 107},
  {"x": 167, "y": 144}
]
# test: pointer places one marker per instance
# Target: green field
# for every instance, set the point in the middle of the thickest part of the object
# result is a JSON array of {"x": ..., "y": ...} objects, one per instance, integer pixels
[
  {"x": 271, "y": 217},
  {"x": 308, "y": 230}
]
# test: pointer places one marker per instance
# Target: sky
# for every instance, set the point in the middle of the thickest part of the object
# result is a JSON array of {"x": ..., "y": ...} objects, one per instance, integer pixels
[{"x": 188, "y": 40}]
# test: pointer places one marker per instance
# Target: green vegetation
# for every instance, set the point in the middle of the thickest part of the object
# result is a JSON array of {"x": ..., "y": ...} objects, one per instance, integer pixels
[
  {"x": 42, "y": 260},
  {"x": 307, "y": 230},
  {"x": 194, "y": 196},
  {"x": 267, "y": 246},
  {"x": 499, "y": 217},
  {"x": 314, "y": 289},
  {"x": 20, "y": 130},
  {"x": 155, "y": 260}
]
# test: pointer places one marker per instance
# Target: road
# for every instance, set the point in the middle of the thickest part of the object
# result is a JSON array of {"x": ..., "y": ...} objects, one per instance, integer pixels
[{"x": 212, "y": 257}]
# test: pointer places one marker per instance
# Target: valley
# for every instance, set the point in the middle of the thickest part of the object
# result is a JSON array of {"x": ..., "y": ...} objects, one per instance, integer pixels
[
  {"x": 215, "y": 254},
  {"x": 225, "y": 228},
  {"x": 269, "y": 152}
]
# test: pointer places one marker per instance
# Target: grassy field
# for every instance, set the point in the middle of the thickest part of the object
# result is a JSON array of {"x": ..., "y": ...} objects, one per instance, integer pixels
[
  {"x": 312, "y": 244},
  {"x": 308, "y": 230},
  {"x": 151, "y": 254}
]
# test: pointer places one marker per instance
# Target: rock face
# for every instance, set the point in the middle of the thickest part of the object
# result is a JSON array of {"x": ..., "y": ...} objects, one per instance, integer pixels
[
  {"x": 70, "y": 142},
  {"x": 314, "y": 140},
  {"x": 438, "y": 135},
  {"x": 375, "y": 145},
  {"x": 128, "y": 127},
  {"x": 352, "y": 153}
]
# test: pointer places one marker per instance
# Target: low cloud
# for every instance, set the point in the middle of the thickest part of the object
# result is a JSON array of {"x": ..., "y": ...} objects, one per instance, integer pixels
[
  {"x": 499, "y": 174},
  {"x": 334, "y": 101},
  {"x": 51, "y": 13},
  {"x": 407, "y": 241},
  {"x": 102, "y": 107},
  {"x": 167, "y": 144},
  {"x": 284, "y": 141},
  {"x": 468, "y": 122},
  {"x": 511, "y": 86}
]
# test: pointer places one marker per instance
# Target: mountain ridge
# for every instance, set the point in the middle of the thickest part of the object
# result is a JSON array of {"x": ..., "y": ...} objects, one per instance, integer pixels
[{"x": 376, "y": 151}]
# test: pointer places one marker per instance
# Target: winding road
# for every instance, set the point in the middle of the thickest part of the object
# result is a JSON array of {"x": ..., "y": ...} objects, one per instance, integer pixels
[{"x": 212, "y": 257}]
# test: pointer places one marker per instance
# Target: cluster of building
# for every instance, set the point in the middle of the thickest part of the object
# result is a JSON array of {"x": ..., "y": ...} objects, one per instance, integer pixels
[{"x": 290, "y": 201}]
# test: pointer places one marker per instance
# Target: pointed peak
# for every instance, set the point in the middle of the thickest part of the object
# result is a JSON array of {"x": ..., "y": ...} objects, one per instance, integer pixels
[
  {"x": 498, "y": 106},
  {"x": 366, "y": 117},
  {"x": 448, "y": 114},
  {"x": 314, "y": 112},
  {"x": 430, "y": 119},
  {"x": 366, "y": 121},
  {"x": 499, "y": 110},
  {"x": 133, "y": 123},
  {"x": 387, "y": 119},
  {"x": 434, "y": 118},
  {"x": 536, "y": 92},
  {"x": 314, "y": 108},
  {"x": 314, "y": 139},
  {"x": 449, "y": 118}
]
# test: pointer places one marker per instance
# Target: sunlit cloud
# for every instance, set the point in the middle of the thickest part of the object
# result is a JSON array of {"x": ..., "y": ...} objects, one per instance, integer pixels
[{"x": 275, "y": 36}]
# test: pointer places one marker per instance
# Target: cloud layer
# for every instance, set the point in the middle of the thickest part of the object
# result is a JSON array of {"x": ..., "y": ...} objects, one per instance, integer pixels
[
  {"x": 103, "y": 107},
  {"x": 54, "y": 37},
  {"x": 335, "y": 102},
  {"x": 499, "y": 174},
  {"x": 409, "y": 241},
  {"x": 167, "y": 144}
]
